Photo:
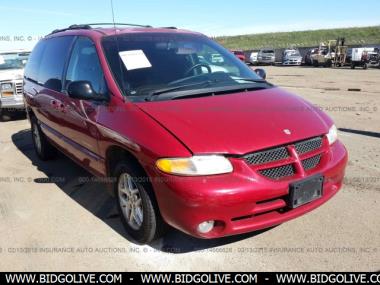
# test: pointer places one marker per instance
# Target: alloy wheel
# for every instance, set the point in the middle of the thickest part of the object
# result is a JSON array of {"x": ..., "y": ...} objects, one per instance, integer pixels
[{"x": 130, "y": 201}]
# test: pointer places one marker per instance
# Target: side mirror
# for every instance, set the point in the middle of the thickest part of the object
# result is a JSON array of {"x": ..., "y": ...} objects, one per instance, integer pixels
[
  {"x": 261, "y": 72},
  {"x": 83, "y": 90}
]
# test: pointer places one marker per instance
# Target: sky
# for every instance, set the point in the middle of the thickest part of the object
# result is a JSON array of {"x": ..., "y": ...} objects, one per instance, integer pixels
[{"x": 22, "y": 22}]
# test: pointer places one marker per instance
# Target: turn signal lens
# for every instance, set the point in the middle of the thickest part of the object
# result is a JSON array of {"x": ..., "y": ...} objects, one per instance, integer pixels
[{"x": 196, "y": 165}]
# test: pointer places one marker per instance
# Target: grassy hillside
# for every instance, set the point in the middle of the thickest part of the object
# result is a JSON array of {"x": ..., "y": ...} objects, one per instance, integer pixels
[{"x": 365, "y": 35}]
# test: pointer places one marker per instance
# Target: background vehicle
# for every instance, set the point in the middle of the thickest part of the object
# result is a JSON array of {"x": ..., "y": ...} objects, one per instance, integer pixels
[
  {"x": 291, "y": 57},
  {"x": 213, "y": 67},
  {"x": 266, "y": 56},
  {"x": 364, "y": 57},
  {"x": 307, "y": 60},
  {"x": 216, "y": 58},
  {"x": 253, "y": 58},
  {"x": 12, "y": 65},
  {"x": 239, "y": 54},
  {"x": 349, "y": 56}
]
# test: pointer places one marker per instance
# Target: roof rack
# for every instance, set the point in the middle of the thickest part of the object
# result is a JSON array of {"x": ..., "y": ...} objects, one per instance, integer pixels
[
  {"x": 88, "y": 26},
  {"x": 119, "y": 24}
]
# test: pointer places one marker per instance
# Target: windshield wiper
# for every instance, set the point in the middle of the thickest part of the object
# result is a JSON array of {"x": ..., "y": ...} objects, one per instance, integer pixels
[
  {"x": 250, "y": 79},
  {"x": 213, "y": 91},
  {"x": 175, "y": 88}
]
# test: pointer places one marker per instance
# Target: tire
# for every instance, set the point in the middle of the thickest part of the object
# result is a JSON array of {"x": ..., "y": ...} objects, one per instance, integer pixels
[
  {"x": 44, "y": 149},
  {"x": 146, "y": 224},
  {"x": 352, "y": 66},
  {"x": 315, "y": 64},
  {"x": 365, "y": 66}
]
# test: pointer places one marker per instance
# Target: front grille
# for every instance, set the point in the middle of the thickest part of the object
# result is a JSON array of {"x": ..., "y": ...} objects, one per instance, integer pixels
[
  {"x": 267, "y": 156},
  {"x": 311, "y": 162},
  {"x": 278, "y": 172},
  {"x": 281, "y": 156},
  {"x": 19, "y": 88},
  {"x": 308, "y": 145}
]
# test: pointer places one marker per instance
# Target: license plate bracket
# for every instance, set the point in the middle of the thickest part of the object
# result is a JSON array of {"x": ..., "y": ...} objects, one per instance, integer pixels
[{"x": 305, "y": 191}]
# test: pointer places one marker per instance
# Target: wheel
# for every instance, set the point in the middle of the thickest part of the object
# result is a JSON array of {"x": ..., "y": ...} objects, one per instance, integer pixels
[
  {"x": 4, "y": 116},
  {"x": 328, "y": 63},
  {"x": 315, "y": 63},
  {"x": 365, "y": 66},
  {"x": 136, "y": 204},
  {"x": 352, "y": 66},
  {"x": 42, "y": 146}
]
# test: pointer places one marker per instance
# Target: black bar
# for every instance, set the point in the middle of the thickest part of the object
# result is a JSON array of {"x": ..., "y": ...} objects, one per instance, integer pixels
[{"x": 187, "y": 278}]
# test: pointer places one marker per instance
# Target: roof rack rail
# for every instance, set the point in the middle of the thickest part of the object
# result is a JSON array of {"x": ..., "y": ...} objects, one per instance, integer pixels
[
  {"x": 172, "y": 28},
  {"x": 72, "y": 27},
  {"x": 119, "y": 24},
  {"x": 88, "y": 26}
]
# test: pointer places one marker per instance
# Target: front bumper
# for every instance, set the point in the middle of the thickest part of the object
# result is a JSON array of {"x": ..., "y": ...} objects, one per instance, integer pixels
[
  {"x": 292, "y": 62},
  {"x": 266, "y": 61},
  {"x": 12, "y": 102},
  {"x": 239, "y": 202}
]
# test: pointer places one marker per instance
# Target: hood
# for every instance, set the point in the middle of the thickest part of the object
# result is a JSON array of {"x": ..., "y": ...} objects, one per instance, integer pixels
[
  {"x": 239, "y": 123},
  {"x": 11, "y": 74}
]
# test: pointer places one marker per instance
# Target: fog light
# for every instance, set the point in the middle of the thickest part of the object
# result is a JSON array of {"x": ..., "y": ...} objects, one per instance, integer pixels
[{"x": 205, "y": 227}]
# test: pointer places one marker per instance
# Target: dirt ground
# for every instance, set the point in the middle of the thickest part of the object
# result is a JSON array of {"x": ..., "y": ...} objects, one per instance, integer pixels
[{"x": 54, "y": 216}]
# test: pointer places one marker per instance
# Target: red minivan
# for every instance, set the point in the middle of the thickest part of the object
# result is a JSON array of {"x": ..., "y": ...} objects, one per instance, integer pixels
[{"x": 211, "y": 149}]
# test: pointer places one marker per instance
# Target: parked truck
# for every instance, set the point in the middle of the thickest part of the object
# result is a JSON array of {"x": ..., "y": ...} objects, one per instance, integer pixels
[
  {"x": 365, "y": 57},
  {"x": 12, "y": 65}
]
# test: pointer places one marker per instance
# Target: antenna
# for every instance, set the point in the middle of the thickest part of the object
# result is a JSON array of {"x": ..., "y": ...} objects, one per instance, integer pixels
[
  {"x": 113, "y": 15},
  {"x": 118, "y": 51}
]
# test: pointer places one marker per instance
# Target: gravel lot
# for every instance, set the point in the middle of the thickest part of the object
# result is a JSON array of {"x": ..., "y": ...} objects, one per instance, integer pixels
[{"x": 54, "y": 216}]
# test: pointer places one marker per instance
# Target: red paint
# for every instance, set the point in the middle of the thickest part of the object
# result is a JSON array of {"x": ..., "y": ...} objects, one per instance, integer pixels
[{"x": 239, "y": 54}]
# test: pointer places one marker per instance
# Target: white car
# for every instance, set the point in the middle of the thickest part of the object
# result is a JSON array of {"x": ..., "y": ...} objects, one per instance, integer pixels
[
  {"x": 292, "y": 57},
  {"x": 216, "y": 58},
  {"x": 12, "y": 65},
  {"x": 253, "y": 58},
  {"x": 213, "y": 68}
]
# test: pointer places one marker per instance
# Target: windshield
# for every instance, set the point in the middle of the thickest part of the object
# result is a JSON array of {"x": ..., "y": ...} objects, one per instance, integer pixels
[
  {"x": 149, "y": 62},
  {"x": 292, "y": 53},
  {"x": 267, "y": 51},
  {"x": 13, "y": 60}
]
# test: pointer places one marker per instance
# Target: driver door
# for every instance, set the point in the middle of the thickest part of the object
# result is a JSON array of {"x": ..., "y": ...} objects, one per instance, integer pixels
[{"x": 80, "y": 127}]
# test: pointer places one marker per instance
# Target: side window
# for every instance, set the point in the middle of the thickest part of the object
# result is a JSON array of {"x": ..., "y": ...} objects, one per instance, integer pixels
[
  {"x": 53, "y": 62},
  {"x": 33, "y": 64},
  {"x": 84, "y": 65}
]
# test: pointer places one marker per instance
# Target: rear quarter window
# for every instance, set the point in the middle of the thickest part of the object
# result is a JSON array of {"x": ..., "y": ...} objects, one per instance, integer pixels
[
  {"x": 33, "y": 64},
  {"x": 53, "y": 61}
]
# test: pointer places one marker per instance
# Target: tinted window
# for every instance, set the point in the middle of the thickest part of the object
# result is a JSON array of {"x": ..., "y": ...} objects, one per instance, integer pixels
[
  {"x": 84, "y": 65},
  {"x": 33, "y": 65},
  {"x": 53, "y": 62}
]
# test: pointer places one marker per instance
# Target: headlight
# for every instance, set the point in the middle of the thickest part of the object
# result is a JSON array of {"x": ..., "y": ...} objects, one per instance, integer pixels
[
  {"x": 196, "y": 165},
  {"x": 332, "y": 136},
  {"x": 6, "y": 87}
]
